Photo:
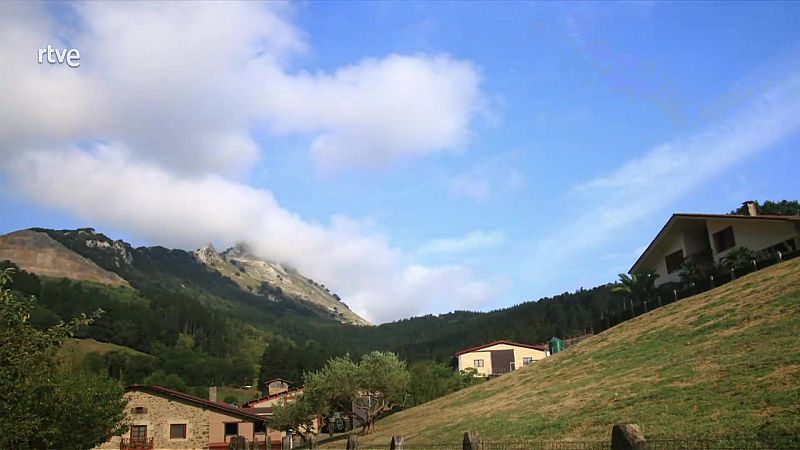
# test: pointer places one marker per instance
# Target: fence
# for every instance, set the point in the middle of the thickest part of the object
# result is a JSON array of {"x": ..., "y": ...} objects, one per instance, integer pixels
[{"x": 623, "y": 437}]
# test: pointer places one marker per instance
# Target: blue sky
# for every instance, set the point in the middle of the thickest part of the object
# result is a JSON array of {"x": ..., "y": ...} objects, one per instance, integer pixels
[{"x": 417, "y": 157}]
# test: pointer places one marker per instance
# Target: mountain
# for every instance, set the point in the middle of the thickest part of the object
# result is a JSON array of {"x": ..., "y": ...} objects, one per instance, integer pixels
[
  {"x": 724, "y": 362},
  {"x": 234, "y": 275},
  {"x": 262, "y": 276},
  {"x": 37, "y": 252}
]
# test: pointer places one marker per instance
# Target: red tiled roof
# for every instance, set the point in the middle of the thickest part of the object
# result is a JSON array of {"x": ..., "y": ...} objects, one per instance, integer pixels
[
  {"x": 276, "y": 395},
  {"x": 541, "y": 347},
  {"x": 708, "y": 216},
  {"x": 201, "y": 402}
]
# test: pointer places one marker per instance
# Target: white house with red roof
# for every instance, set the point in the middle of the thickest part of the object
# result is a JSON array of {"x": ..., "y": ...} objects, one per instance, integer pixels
[{"x": 499, "y": 357}]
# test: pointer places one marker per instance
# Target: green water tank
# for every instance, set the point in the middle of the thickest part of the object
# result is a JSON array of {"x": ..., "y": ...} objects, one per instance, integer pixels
[{"x": 556, "y": 345}]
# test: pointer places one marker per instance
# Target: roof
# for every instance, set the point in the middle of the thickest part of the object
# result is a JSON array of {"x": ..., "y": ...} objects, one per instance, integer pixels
[
  {"x": 197, "y": 401},
  {"x": 279, "y": 379},
  {"x": 678, "y": 216},
  {"x": 272, "y": 396},
  {"x": 541, "y": 347}
]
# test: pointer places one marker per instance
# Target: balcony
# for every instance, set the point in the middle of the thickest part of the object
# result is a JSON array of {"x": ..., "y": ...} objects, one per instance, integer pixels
[{"x": 136, "y": 444}]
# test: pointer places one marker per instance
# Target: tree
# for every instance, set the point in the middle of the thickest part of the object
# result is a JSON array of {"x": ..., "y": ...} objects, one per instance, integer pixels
[
  {"x": 781, "y": 208},
  {"x": 296, "y": 415},
  {"x": 332, "y": 389},
  {"x": 638, "y": 287},
  {"x": 376, "y": 384},
  {"x": 739, "y": 257},
  {"x": 43, "y": 403},
  {"x": 382, "y": 383},
  {"x": 431, "y": 380},
  {"x": 281, "y": 359}
]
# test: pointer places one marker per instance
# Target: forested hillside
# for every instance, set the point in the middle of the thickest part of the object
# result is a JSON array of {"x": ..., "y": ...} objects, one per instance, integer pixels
[
  {"x": 203, "y": 339},
  {"x": 192, "y": 326}
]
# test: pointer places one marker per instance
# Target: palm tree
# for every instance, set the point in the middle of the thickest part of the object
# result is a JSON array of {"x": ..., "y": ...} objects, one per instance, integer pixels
[
  {"x": 640, "y": 287},
  {"x": 738, "y": 257}
]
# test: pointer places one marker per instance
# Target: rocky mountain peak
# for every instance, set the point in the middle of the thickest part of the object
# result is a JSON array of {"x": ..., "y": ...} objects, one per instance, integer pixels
[{"x": 207, "y": 253}]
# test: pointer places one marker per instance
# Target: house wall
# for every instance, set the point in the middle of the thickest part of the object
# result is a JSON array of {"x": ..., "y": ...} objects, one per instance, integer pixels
[
  {"x": 203, "y": 427},
  {"x": 753, "y": 234},
  {"x": 467, "y": 359},
  {"x": 670, "y": 244},
  {"x": 160, "y": 413},
  {"x": 695, "y": 240}
]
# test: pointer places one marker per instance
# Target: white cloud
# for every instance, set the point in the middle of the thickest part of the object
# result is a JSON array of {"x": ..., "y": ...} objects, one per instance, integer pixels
[
  {"x": 475, "y": 240},
  {"x": 171, "y": 95},
  {"x": 375, "y": 279},
  {"x": 650, "y": 183},
  {"x": 183, "y": 85},
  {"x": 497, "y": 174}
]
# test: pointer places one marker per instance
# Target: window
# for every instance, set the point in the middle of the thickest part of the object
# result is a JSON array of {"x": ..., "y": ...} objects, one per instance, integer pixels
[
  {"x": 526, "y": 361},
  {"x": 177, "y": 431},
  {"x": 260, "y": 427},
  {"x": 724, "y": 240},
  {"x": 478, "y": 363},
  {"x": 138, "y": 433},
  {"x": 138, "y": 410},
  {"x": 674, "y": 261},
  {"x": 232, "y": 429}
]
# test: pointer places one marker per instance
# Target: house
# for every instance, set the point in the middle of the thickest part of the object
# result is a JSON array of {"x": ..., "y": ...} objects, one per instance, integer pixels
[
  {"x": 276, "y": 386},
  {"x": 707, "y": 238},
  {"x": 160, "y": 418},
  {"x": 499, "y": 357},
  {"x": 280, "y": 393}
]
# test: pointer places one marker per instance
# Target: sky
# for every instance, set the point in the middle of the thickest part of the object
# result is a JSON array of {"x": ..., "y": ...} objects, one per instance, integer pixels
[{"x": 415, "y": 157}]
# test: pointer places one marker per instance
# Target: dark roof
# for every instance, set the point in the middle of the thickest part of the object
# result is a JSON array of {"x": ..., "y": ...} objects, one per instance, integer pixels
[
  {"x": 279, "y": 379},
  {"x": 197, "y": 401},
  {"x": 258, "y": 411},
  {"x": 276, "y": 395},
  {"x": 541, "y": 347},
  {"x": 677, "y": 216}
]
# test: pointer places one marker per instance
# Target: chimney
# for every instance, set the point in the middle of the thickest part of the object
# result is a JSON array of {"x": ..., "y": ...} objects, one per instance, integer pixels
[
  {"x": 752, "y": 208},
  {"x": 212, "y": 393}
]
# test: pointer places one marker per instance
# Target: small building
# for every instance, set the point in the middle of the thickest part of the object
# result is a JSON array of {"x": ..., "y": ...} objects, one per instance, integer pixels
[
  {"x": 276, "y": 386},
  {"x": 160, "y": 418},
  {"x": 499, "y": 357},
  {"x": 267, "y": 402},
  {"x": 707, "y": 238}
]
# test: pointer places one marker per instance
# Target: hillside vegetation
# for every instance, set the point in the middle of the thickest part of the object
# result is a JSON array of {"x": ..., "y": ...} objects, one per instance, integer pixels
[{"x": 726, "y": 362}]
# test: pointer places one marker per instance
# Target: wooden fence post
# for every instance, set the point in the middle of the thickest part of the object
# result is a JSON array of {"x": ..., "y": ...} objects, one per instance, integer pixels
[
  {"x": 352, "y": 442},
  {"x": 627, "y": 436},
  {"x": 472, "y": 440},
  {"x": 397, "y": 443}
]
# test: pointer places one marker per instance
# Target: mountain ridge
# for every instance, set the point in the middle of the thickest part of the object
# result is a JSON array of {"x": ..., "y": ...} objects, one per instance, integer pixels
[{"x": 86, "y": 255}]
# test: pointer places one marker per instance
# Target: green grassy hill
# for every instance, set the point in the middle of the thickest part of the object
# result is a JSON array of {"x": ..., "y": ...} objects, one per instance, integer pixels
[
  {"x": 74, "y": 350},
  {"x": 726, "y": 362}
]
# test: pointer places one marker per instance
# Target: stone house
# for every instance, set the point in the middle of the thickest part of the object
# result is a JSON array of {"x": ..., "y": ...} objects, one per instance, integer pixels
[{"x": 160, "y": 418}]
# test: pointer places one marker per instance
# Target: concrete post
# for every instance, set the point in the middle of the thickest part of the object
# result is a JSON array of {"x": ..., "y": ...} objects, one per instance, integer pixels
[
  {"x": 627, "y": 436},
  {"x": 472, "y": 441},
  {"x": 397, "y": 443},
  {"x": 352, "y": 442}
]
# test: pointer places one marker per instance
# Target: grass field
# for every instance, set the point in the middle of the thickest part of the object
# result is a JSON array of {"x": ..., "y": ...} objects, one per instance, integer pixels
[
  {"x": 73, "y": 350},
  {"x": 726, "y": 362},
  {"x": 241, "y": 395}
]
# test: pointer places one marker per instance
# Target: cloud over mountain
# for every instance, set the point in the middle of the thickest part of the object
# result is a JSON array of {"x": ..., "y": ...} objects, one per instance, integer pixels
[{"x": 154, "y": 133}]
